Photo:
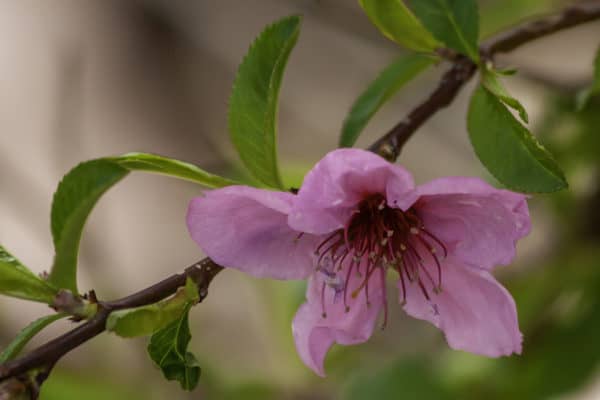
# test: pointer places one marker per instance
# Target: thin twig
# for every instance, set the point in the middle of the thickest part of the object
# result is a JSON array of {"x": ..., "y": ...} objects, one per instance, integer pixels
[
  {"x": 463, "y": 69},
  {"x": 201, "y": 272}
]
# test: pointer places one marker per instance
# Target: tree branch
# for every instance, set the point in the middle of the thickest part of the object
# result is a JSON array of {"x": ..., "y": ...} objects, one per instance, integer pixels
[
  {"x": 388, "y": 146},
  {"x": 201, "y": 272},
  {"x": 463, "y": 69}
]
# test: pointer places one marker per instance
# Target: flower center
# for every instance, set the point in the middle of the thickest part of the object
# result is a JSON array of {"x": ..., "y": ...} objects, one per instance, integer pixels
[{"x": 378, "y": 238}]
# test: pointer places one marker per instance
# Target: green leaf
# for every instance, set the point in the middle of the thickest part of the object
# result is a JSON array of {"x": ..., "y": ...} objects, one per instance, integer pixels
[
  {"x": 453, "y": 22},
  {"x": 15, "y": 347},
  {"x": 171, "y": 167},
  {"x": 83, "y": 186},
  {"x": 18, "y": 281},
  {"x": 146, "y": 320},
  {"x": 168, "y": 349},
  {"x": 254, "y": 99},
  {"x": 491, "y": 80},
  {"x": 585, "y": 95},
  {"x": 391, "y": 79},
  {"x": 508, "y": 150},
  {"x": 398, "y": 23},
  {"x": 73, "y": 201}
]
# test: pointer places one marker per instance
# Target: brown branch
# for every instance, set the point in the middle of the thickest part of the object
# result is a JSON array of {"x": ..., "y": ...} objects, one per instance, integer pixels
[
  {"x": 388, "y": 146},
  {"x": 201, "y": 272},
  {"x": 463, "y": 69}
]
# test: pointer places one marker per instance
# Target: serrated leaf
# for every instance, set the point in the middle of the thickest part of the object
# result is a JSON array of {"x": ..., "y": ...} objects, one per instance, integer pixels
[
  {"x": 15, "y": 347},
  {"x": 389, "y": 82},
  {"x": 491, "y": 80},
  {"x": 396, "y": 22},
  {"x": 171, "y": 167},
  {"x": 453, "y": 22},
  {"x": 73, "y": 201},
  {"x": 253, "y": 103},
  {"x": 508, "y": 150},
  {"x": 585, "y": 95},
  {"x": 16, "y": 280},
  {"x": 168, "y": 350},
  {"x": 146, "y": 320}
]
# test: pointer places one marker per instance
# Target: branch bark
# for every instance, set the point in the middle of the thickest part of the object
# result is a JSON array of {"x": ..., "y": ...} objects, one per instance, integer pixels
[
  {"x": 201, "y": 272},
  {"x": 390, "y": 145}
]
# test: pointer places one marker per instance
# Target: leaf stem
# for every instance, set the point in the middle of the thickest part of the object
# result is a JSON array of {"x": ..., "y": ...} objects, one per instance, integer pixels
[
  {"x": 201, "y": 272},
  {"x": 390, "y": 145}
]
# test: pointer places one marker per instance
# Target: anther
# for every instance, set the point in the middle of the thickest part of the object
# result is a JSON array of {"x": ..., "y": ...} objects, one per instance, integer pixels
[
  {"x": 390, "y": 233},
  {"x": 414, "y": 231},
  {"x": 297, "y": 238},
  {"x": 402, "y": 247},
  {"x": 381, "y": 205}
]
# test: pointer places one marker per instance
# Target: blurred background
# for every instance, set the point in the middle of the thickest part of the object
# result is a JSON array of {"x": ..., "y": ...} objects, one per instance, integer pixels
[{"x": 81, "y": 79}]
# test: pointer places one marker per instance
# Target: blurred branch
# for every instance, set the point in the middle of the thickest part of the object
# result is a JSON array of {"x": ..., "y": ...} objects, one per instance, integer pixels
[
  {"x": 463, "y": 69},
  {"x": 48, "y": 354}
]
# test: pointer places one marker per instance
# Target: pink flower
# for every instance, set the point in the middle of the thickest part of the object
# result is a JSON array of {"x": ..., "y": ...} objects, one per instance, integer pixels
[{"x": 357, "y": 217}]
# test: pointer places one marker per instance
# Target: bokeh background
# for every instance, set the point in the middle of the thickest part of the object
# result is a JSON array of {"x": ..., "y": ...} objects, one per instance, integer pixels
[{"x": 81, "y": 79}]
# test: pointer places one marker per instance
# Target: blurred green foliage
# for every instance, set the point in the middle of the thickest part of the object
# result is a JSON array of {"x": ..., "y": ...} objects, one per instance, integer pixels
[{"x": 71, "y": 386}]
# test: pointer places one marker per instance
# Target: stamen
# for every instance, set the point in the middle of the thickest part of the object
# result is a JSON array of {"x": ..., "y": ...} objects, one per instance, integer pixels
[
  {"x": 424, "y": 290},
  {"x": 422, "y": 264},
  {"x": 346, "y": 286},
  {"x": 323, "y": 311},
  {"x": 324, "y": 242},
  {"x": 435, "y": 239},
  {"x": 297, "y": 238},
  {"x": 365, "y": 282},
  {"x": 341, "y": 262},
  {"x": 377, "y": 238},
  {"x": 401, "y": 273},
  {"x": 385, "y": 302}
]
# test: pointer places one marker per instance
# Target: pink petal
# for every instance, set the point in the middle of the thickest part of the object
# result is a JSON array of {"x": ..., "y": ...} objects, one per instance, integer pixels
[
  {"x": 314, "y": 335},
  {"x": 338, "y": 182},
  {"x": 474, "y": 311},
  {"x": 480, "y": 224},
  {"x": 246, "y": 228}
]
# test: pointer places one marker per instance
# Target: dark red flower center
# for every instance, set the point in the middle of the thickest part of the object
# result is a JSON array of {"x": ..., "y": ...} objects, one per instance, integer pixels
[{"x": 378, "y": 238}]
